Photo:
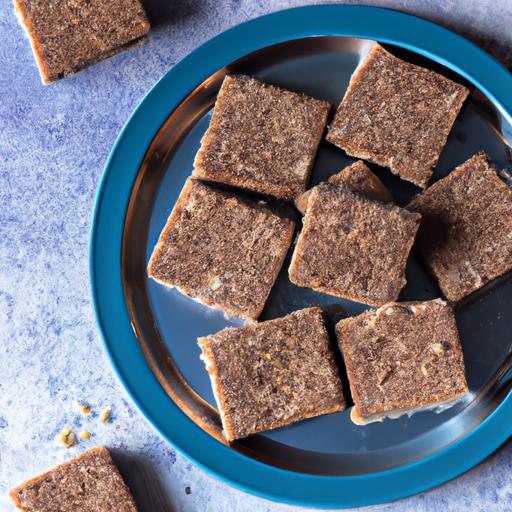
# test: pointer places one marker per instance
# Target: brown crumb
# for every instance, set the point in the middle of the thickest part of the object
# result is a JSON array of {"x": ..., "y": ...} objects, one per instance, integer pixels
[{"x": 84, "y": 408}]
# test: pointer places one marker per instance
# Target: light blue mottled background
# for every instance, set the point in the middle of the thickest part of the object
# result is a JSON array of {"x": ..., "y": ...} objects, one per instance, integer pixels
[{"x": 53, "y": 144}]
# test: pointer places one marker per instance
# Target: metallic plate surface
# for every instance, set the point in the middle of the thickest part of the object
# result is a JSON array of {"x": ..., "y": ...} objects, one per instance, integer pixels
[{"x": 168, "y": 323}]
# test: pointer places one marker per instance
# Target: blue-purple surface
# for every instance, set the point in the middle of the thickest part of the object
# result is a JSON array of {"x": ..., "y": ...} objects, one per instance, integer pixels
[{"x": 53, "y": 144}]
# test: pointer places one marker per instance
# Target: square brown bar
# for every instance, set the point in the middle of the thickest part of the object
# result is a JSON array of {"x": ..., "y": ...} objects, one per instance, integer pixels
[
  {"x": 402, "y": 358},
  {"x": 397, "y": 115},
  {"x": 353, "y": 247},
  {"x": 466, "y": 234},
  {"x": 261, "y": 138},
  {"x": 69, "y": 35},
  {"x": 87, "y": 483},
  {"x": 356, "y": 177},
  {"x": 272, "y": 374},
  {"x": 221, "y": 249}
]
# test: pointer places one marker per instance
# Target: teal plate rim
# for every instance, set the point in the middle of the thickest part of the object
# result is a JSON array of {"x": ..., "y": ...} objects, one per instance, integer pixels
[{"x": 388, "y": 26}]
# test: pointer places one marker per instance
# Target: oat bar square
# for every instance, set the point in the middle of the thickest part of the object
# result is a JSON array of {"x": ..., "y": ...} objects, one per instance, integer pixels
[
  {"x": 397, "y": 115},
  {"x": 69, "y": 35},
  {"x": 353, "y": 247},
  {"x": 402, "y": 358},
  {"x": 221, "y": 249},
  {"x": 466, "y": 234},
  {"x": 272, "y": 374},
  {"x": 87, "y": 483},
  {"x": 356, "y": 177},
  {"x": 261, "y": 138}
]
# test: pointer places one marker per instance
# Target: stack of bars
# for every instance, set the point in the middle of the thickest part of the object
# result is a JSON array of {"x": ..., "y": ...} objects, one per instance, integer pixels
[{"x": 225, "y": 246}]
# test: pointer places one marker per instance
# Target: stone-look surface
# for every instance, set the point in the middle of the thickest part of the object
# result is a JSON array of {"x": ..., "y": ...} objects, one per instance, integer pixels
[{"x": 53, "y": 144}]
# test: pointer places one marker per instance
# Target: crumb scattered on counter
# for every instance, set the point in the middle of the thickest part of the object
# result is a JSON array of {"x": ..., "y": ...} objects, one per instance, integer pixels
[
  {"x": 85, "y": 435},
  {"x": 84, "y": 408},
  {"x": 105, "y": 415},
  {"x": 188, "y": 490},
  {"x": 67, "y": 437}
]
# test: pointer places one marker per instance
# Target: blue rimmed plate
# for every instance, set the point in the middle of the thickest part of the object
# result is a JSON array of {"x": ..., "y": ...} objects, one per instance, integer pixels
[{"x": 150, "y": 331}]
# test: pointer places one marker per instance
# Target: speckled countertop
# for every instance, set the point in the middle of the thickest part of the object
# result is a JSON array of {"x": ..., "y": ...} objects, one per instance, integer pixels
[{"x": 53, "y": 144}]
